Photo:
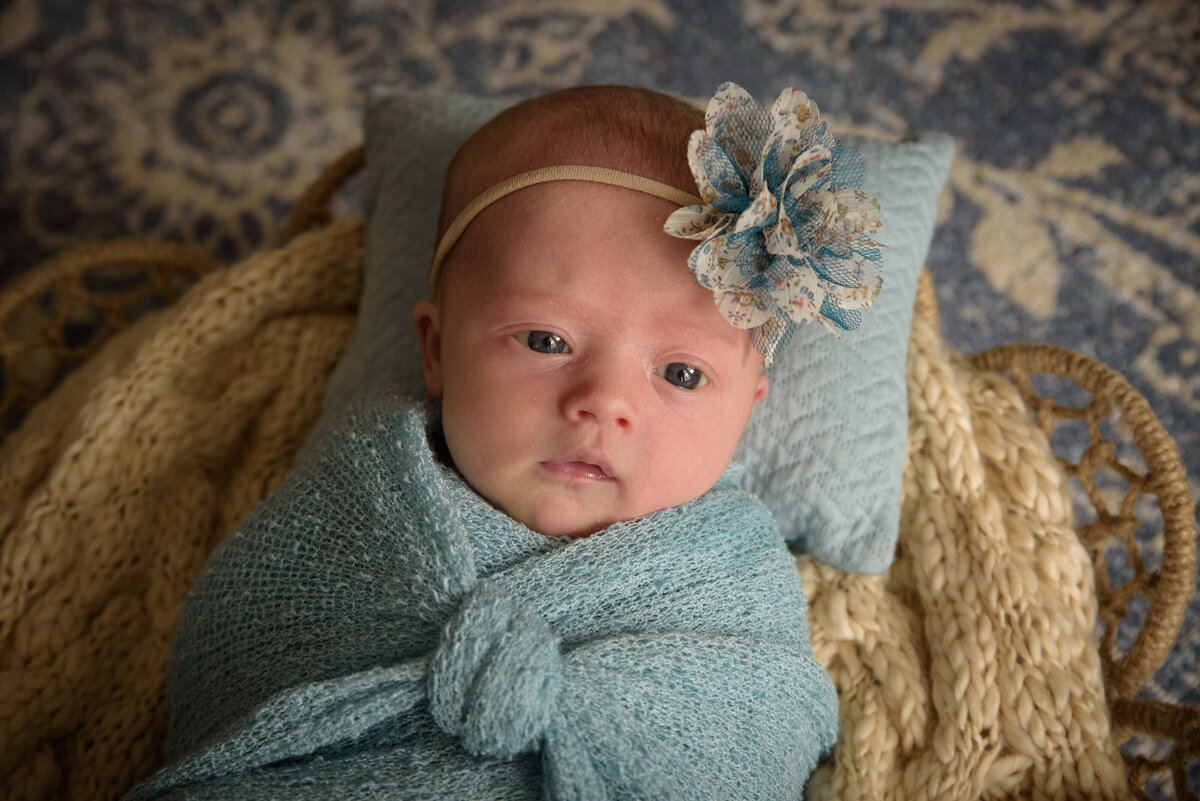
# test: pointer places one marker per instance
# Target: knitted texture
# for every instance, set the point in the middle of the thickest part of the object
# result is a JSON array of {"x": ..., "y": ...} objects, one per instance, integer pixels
[
  {"x": 374, "y": 607},
  {"x": 970, "y": 669},
  {"x": 969, "y": 666},
  {"x": 117, "y": 487}
]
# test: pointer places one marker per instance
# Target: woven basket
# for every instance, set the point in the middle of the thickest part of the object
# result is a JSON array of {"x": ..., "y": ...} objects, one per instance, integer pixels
[{"x": 55, "y": 319}]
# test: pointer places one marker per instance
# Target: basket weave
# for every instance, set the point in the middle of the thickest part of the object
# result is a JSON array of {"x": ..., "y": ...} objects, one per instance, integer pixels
[
  {"x": 99, "y": 730},
  {"x": 1168, "y": 589}
]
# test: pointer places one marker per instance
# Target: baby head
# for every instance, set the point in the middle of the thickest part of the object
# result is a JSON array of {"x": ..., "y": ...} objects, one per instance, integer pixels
[{"x": 585, "y": 377}]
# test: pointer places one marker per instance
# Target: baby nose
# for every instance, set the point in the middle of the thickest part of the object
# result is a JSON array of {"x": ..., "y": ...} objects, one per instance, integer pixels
[{"x": 601, "y": 393}]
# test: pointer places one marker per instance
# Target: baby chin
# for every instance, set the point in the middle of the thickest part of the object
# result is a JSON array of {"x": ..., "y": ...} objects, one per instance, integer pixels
[
  {"x": 576, "y": 500},
  {"x": 565, "y": 498},
  {"x": 564, "y": 520},
  {"x": 562, "y": 513}
]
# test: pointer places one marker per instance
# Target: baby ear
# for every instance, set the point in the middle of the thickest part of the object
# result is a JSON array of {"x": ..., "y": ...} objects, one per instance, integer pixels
[
  {"x": 427, "y": 321},
  {"x": 764, "y": 384}
]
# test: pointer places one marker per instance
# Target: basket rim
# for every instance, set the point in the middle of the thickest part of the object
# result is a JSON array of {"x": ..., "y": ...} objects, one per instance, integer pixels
[{"x": 1174, "y": 584}]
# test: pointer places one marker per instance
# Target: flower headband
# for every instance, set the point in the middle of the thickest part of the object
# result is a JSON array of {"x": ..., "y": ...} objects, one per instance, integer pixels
[{"x": 784, "y": 228}]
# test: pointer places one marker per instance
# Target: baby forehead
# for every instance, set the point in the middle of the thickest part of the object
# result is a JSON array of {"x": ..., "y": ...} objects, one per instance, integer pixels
[
  {"x": 544, "y": 259},
  {"x": 567, "y": 221},
  {"x": 621, "y": 127},
  {"x": 562, "y": 201}
]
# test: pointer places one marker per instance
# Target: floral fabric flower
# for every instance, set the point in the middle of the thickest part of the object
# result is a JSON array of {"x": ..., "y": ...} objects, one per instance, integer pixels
[{"x": 784, "y": 228}]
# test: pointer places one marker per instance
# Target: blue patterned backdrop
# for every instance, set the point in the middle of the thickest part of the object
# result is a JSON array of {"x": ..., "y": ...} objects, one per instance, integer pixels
[{"x": 1072, "y": 216}]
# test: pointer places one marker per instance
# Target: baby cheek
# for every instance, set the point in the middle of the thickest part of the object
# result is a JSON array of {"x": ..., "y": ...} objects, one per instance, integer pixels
[{"x": 688, "y": 465}]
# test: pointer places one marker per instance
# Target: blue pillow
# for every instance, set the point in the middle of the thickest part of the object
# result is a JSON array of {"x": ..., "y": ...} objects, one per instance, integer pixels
[{"x": 824, "y": 450}]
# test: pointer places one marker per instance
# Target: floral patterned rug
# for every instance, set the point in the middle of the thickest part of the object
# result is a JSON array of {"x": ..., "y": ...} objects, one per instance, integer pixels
[{"x": 1072, "y": 217}]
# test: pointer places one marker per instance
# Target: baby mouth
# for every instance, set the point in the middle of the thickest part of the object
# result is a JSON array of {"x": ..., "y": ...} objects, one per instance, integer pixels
[{"x": 578, "y": 471}]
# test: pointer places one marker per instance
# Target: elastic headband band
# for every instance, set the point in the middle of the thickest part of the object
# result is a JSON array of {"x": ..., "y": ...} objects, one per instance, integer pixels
[{"x": 568, "y": 172}]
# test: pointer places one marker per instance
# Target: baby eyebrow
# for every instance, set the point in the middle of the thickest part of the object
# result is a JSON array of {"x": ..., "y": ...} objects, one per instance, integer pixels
[
  {"x": 529, "y": 304},
  {"x": 698, "y": 335}
]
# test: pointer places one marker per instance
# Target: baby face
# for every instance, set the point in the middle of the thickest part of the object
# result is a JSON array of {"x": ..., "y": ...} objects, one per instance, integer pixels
[{"x": 585, "y": 377}]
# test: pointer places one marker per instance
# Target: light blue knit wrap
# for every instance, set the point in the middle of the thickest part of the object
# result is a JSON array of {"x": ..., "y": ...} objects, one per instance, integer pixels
[{"x": 376, "y": 630}]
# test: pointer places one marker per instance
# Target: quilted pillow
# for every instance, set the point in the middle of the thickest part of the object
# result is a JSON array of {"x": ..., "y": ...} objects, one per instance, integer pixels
[{"x": 824, "y": 450}]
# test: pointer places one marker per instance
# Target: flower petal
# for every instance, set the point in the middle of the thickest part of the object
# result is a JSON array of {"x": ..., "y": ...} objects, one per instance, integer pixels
[
  {"x": 743, "y": 308},
  {"x": 800, "y": 295},
  {"x": 848, "y": 163},
  {"x": 810, "y": 170},
  {"x": 772, "y": 335},
  {"x": 781, "y": 239},
  {"x": 740, "y": 126},
  {"x": 859, "y": 291},
  {"x": 794, "y": 120},
  {"x": 762, "y": 213},
  {"x": 715, "y": 264},
  {"x": 696, "y": 222},
  {"x": 814, "y": 216},
  {"x": 846, "y": 319},
  {"x": 695, "y": 156},
  {"x": 723, "y": 181},
  {"x": 857, "y": 212},
  {"x": 795, "y": 111},
  {"x": 748, "y": 251},
  {"x": 703, "y": 262}
]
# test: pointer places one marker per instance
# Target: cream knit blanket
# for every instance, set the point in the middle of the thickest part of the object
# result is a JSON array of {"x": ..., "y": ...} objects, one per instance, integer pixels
[{"x": 968, "y": 670}]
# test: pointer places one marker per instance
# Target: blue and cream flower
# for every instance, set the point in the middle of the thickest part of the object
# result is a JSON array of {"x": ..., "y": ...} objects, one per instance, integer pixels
[{"x": 785, "y": 229}]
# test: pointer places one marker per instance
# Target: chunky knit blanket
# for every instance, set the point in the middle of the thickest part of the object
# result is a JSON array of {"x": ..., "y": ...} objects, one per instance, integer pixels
[
  {"x": 374, "y": 617},
  {"x": 969, "y": 670}
]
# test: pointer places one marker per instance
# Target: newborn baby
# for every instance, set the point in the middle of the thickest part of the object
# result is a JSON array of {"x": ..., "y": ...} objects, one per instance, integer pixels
[
  {"x": 585, "y": 377},
  {"x": 544, "y": 580}
]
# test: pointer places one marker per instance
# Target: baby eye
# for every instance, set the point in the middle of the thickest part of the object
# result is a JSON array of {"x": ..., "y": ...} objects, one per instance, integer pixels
[
  {"x": 542, "y": 341},
  {"x": 682, "y": 375}
]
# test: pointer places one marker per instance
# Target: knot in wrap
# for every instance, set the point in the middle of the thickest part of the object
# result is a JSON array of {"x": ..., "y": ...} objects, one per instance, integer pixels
[{"x": 496, "y": 675}]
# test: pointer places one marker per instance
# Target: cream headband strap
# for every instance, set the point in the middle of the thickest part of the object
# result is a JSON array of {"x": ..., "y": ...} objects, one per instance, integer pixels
[{"x": 567, "y": 172}]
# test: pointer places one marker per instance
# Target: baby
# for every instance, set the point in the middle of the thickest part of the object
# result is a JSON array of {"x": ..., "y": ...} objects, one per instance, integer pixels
[
  {"x": 386, "y": 625},
  {"x": 585, "y": 377}
]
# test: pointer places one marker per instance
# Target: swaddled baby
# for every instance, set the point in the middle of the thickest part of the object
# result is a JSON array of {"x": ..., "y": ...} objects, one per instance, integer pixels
[{"x": 393, "y": 622}]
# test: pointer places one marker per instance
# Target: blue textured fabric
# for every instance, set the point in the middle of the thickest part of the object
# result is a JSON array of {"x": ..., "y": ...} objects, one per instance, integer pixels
[
  {"x": 375, "y": 629},
  {"x": 824, "y": 450}
]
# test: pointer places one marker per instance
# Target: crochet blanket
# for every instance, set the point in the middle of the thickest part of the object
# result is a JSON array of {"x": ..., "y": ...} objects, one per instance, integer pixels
[
  {"x": 969, "y": 669},
  {"x": 374, "y": 617}
]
